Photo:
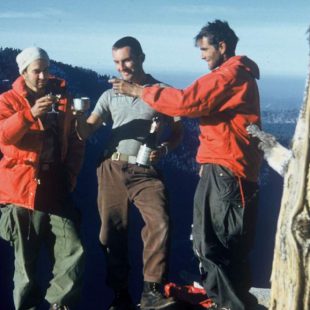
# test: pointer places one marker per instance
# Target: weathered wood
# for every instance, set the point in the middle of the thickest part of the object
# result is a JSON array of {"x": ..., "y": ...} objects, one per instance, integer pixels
[
  {"x": 276, "y": 155},
  {"x": 290, "y": 279}
]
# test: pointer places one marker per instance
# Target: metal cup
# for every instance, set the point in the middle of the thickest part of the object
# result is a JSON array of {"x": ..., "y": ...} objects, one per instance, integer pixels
[{"x": 81, "y": 104}]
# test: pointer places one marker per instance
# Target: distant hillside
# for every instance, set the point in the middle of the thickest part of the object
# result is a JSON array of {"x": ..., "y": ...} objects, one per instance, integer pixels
[
  {"x": 85, "y": 82},
  {"x": 180, "y": 173},
  {"x": 281, "y": 92},
  {"x": 81, "y": 82}
]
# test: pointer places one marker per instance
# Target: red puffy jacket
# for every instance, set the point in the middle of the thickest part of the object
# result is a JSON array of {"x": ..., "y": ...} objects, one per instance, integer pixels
[
  {"x": 226, "y": 101},
  {"x": 21, "y": 143}
]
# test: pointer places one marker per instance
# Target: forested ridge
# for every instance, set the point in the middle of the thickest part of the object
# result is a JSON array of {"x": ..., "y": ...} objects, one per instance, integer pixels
[{"x": 180, "y": 172}]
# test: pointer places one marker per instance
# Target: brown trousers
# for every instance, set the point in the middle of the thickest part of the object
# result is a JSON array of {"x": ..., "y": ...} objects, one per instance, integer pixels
[{"x": 119, "y": 185}]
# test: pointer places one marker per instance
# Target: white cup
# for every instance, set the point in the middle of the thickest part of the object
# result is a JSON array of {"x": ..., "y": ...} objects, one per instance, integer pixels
[{"x": 81, "y": 104}]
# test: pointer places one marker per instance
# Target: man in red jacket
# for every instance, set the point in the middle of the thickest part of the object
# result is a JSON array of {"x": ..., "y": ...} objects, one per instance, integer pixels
[
  {"x": 226, "y": 100},
  {"x": 42, "y": 156}
]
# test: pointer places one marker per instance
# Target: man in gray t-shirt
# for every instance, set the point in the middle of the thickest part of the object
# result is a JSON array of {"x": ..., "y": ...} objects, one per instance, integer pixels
[
  {"x": 131, "y": 119},
  {"x": 122, "y": 182}
]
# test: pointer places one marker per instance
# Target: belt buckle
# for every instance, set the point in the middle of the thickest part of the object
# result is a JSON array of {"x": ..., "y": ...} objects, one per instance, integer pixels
[{"x": 116, "y": 156}]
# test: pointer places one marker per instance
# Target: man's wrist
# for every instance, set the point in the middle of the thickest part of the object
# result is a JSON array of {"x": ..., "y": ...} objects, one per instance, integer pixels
[{"x": 138, "y": 89}]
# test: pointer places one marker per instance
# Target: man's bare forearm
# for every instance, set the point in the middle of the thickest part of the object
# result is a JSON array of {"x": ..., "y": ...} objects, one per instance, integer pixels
[{"x": 85, "y": 128}]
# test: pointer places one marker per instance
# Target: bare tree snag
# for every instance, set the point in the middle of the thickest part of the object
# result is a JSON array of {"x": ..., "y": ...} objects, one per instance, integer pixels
[{"x": 290, "y": 279}]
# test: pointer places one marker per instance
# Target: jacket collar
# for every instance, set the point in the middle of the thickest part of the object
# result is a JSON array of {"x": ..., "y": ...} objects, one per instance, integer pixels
[
  {"x": 20, "y": 86},
  {"x": 241, "y": 62}
]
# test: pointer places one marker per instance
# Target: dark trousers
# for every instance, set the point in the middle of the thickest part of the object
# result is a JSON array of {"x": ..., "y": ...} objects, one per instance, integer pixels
[
  {"x": 224, "y": 223},
  {"x": 120, "y": 184}
]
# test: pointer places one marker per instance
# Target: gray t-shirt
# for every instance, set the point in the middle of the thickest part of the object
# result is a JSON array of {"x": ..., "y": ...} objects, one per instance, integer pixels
[{"x": 131, "y": 119}]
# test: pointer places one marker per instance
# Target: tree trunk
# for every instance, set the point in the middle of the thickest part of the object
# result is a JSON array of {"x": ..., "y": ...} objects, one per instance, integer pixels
[{"x": 290, "y": 279}]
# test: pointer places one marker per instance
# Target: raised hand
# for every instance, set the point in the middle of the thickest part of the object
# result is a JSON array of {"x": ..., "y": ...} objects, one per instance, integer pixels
[
  {"x": 126, "y": 88},
  {"x": 43, "y": 105}
]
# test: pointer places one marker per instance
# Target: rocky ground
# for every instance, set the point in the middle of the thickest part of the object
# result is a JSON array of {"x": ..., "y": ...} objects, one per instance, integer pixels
[{"x": 263, "y": 297}]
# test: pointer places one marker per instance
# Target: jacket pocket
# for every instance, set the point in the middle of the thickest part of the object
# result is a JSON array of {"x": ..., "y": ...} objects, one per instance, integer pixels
[
  {"x": 227, "y": 212},
  {"x": 227, "y": 184},
  {"x": 228, "y": 223}
]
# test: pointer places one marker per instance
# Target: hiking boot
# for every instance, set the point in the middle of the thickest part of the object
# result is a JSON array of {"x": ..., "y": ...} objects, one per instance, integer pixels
[
  {"x": 122, "y": 301},
  {"x": 152, "y": 297},
  {"x": 58, "y": 307}
]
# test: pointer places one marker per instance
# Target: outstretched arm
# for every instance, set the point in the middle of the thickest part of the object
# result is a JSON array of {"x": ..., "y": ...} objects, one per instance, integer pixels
[
  {"x": 127, "y": 88},
  {"x": 85, "y": 126},
  {"x": 204, "y": 96}
]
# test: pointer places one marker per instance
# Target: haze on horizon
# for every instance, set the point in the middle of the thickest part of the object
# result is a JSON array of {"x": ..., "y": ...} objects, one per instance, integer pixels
[{"x": 81, "y": 33}]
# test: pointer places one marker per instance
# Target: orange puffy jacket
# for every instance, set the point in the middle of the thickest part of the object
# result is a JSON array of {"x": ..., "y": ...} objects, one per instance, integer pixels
[
  {"x": 21, "y": 142},
  {"x": 226, "y": 101}
]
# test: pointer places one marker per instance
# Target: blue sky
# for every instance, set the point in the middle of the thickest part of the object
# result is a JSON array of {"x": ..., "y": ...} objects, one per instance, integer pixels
[{"x": 77, "y": 32}]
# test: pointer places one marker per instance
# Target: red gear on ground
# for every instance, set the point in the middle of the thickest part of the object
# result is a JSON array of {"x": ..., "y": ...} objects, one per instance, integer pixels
[{"x": 188, "y": 294}]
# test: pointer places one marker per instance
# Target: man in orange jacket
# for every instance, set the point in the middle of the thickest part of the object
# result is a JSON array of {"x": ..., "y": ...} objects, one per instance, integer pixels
[
  {"x": 42, "y": 156},
  {"x": 226, "y": 100}
]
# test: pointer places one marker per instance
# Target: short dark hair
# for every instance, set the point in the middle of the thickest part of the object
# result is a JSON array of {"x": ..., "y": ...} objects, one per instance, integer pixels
[
  {"x": 216, "y": 32},
  {"x": 131, "y": 42}
]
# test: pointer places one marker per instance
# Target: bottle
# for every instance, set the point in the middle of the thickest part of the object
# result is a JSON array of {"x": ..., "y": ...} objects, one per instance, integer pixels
[{"x": 150, "y": 143}]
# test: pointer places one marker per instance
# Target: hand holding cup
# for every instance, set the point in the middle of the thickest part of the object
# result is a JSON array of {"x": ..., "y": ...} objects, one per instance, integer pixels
[
  {"x": 44, "y": 105},
  {"x": 80, "y": 105},
  {"x": 126, "y": 88}
]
